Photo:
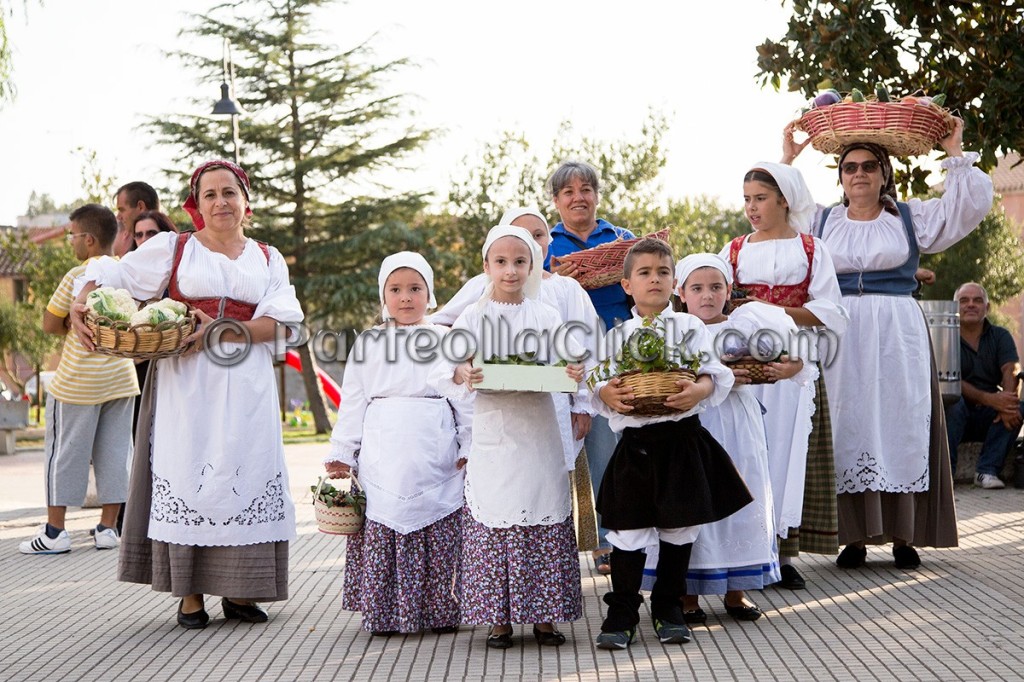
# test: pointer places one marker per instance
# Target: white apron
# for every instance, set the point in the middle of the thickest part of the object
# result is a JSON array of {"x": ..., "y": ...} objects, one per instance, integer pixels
[
  {"x": 516, "y": 471},
  {"x": 407, "y": 462}
]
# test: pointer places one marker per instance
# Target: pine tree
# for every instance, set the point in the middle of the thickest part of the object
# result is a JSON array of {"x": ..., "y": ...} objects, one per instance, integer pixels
[{"x": 318, "y": 124}]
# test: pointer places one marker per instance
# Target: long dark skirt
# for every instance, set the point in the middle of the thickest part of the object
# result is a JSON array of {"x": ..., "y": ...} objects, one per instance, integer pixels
[
  {"x": 925, "y": 519},
  {"x": 404, "y": 582},
  {"x": 246, "y": 572}
]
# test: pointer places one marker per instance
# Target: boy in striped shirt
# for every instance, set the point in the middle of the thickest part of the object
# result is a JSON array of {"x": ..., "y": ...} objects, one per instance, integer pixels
[{"x": 88, "y": 408}]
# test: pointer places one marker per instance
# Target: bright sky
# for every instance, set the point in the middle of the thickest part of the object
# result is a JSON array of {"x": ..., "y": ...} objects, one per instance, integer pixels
[{"x": 88, "y": 73}]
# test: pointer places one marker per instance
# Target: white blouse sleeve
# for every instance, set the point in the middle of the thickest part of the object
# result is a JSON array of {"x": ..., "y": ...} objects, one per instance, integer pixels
[
  {"x": 825, "y": 297},
  {"x": 701, "y": 342},
  {"x": 940, "y": 223},
  {"x": 144, "y": 273},
  {"x": 442, "y": 374},
  {"x": 469, "y": 294},
  {"x": 347, "y": 435},
  {"x": 279, "y": 302}
]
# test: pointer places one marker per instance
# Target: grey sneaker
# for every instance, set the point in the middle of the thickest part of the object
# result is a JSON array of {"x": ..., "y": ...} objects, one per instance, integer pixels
[
  {"x": 988, "y": 482},
  {"x": 616, "y": 640},
  {"x": 42, "y": 544},
  {"x": 671, "y": 633}
]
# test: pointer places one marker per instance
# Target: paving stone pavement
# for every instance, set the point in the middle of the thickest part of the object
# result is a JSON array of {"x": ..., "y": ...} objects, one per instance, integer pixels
[{"x": 959, "y": 617}]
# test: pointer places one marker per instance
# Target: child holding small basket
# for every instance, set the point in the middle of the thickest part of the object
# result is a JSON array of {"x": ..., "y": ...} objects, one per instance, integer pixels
[
  {"x": 407, "y": 444},
  {"x": 667, "y": 475}
]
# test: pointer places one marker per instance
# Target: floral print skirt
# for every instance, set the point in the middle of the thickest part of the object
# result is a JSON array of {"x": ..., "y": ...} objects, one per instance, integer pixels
[
  {"x": 404, "y": 582},
  {"x": 521, "y": 574}
]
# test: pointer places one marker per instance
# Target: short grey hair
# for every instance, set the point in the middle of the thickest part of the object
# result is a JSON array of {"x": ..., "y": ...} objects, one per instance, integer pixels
[
  {"x": 984, "y": 294},
  {"x": 568, "y": 171}
]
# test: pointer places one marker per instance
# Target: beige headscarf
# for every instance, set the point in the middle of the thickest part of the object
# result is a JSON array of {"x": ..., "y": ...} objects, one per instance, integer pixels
[{"x": 405, "y": 259}]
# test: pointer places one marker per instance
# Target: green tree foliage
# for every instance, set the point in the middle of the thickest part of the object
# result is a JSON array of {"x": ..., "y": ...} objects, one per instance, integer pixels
[
  {"x": 972, "y": 51},
  {"x": 992, "y": 255},
  {"x": 43, "y": 266},
  {"x": 697, "y": 225},
  {"x": 319, "y": 122},
  {"x": 508, "y": 172}
]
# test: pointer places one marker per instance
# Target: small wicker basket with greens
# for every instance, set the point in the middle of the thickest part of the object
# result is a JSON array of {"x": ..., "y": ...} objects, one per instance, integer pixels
[
  {"x": 649, "y": 366},
  {"x": 339, "y": 512}
]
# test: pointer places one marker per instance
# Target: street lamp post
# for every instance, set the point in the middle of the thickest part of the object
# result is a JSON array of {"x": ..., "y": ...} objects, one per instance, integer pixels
[{"x": 227, "y": 105}]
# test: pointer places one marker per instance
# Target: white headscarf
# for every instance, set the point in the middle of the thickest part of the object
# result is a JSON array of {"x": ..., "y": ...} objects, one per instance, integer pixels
[
  {"x": 531, "y": 288},
  {"x": 694, "y": 261},
  {"x": 794, "y": 189},
  {"x": 518, "y": 212},
  {"x": 405, "y": 259}
]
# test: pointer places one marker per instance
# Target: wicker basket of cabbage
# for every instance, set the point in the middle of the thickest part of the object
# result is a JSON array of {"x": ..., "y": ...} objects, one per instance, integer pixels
[{"x": 121, "y": 328}]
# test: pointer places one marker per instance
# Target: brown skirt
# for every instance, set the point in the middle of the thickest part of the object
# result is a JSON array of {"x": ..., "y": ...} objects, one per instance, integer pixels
[
  {"x": 925, "y": 519},
  {"x": 245, "y": 572}
]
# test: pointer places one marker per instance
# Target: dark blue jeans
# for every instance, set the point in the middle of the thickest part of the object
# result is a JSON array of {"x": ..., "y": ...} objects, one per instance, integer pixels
[{"x": 968, "y": 423}]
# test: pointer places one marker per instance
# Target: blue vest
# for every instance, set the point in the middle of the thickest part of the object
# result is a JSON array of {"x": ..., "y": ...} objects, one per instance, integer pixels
[{"x": 897, "y": 281}]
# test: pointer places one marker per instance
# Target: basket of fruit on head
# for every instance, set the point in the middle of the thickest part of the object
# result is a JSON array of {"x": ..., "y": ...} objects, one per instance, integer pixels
[
  {"x": 339, "y": 512},
  {"x": 650, "y": 367},
  {"x": 119, "y": 327},
  {"x": 602, "y": 265},
  {"x": 904, "y": 126}
]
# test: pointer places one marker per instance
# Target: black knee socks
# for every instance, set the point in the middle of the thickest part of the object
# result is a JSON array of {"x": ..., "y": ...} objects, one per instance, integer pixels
[
  {"x": 670, "y": 582},
  {"x": 624, "y": 600}
]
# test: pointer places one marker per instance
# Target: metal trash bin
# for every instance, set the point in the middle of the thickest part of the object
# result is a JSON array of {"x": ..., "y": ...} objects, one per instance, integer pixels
[{"x": 943, "y": 319}]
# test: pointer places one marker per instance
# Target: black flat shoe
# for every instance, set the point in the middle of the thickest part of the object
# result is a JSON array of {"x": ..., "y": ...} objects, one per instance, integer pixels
[
  {"x": 742, "y": 612},
  {"x": 906, "y": 557},
  {"x": 695, "y": 616},
  {"x": 502, "y": 641},
  {"x": 250, "y": 613},
  {"x": 852, "y": 557},
  {"x": 197, "y": 620},
  {"x": 553, "y": 638},
  {"x": 791, "y": 578},
  {"x": 384, "y": 633}
]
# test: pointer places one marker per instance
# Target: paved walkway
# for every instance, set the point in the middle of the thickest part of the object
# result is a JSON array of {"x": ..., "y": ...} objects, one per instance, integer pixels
[{"x": 959, "y": 617}]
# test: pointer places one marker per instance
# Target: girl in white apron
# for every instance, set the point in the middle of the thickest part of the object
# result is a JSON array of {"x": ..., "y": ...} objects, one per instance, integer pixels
[
  {"x": 520, "y": 563},
  {"x": 407, "y": 445}
]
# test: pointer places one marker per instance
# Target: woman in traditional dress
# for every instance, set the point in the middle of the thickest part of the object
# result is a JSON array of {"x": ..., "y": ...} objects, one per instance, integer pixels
[
  {"x": 209, "y": 510},
  {"x": 892, "y": 462},
  {"x": 776, "y": 264},
  {"x": 404, "y": 440}
]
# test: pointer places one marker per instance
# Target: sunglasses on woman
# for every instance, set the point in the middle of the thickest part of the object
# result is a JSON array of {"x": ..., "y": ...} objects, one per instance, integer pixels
[
  {"x": 147, "y": 234},
  {"x": 850, "y": 167}
]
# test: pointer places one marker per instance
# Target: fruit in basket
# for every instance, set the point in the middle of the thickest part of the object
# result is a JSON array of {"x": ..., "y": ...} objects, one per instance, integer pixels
[
  {"x": 114, "y": 304},
  {"x": 881, "y": 94},
  {"x": 856, "y": 95},
  {"x": 824, "y": 99},
  {"x": 909, "y": 100},
  {"x": 939, "y": 99},
  {"x": 166, "y": 310}
]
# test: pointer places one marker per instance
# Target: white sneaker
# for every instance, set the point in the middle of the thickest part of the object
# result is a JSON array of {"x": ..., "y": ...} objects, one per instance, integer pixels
[
  {"x": 988, "y": 481},
  {"x": 107, "y": 538},
  {"x": 41, "y": 544}
]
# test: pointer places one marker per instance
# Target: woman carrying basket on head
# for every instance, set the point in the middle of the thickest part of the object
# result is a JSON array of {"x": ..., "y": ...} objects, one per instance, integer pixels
[
  {"x": 407, "y": 444},
  {"x": 208, "y": 509},
  {"x": 892, "y": 462}
]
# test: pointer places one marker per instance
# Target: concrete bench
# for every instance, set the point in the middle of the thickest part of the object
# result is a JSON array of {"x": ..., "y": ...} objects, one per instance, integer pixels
[
  {"x": 13, "y": 418},
  {"x": 967, "y": 464}
]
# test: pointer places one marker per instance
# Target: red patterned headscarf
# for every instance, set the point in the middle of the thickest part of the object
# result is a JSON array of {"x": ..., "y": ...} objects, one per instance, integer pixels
[{"x": 191, "y": 204}]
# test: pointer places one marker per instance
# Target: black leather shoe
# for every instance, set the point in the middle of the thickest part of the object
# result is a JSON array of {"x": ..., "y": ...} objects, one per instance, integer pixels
[
  {"x": 906, "y": 557},
  {"x": 695, "y": 616},
  {"x": 791, "y": 578},
  {"x": 250, "y": 613},
  {"x": 502, "y": 641},
  {"x": 445, "y": 630},
  {"x": 743, "y": 612},
  {"x": 852, "y": 557},
  {"x": 552, "y": 638},
  {"x": 197, "y": 620}
]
